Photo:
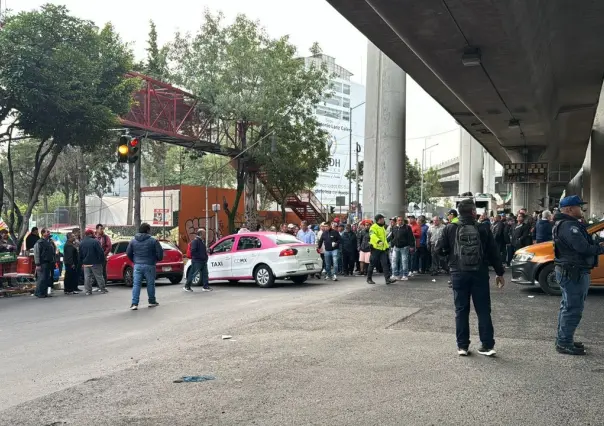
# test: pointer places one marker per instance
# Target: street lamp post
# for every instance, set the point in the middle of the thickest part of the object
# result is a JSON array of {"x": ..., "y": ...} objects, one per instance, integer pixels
[
  {"x": 350, "y": 159},
  {"x": 421, "y": 188}
]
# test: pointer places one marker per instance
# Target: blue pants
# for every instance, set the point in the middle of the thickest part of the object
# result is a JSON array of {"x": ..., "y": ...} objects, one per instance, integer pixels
[
  {"x": 140, "y": 272},
  {"x": 199, "y": 268},
  {"x": 474, "y": 286},
  {"x": 400, "y": 261},
  {"x": 574, "y": 294},
  {"x": 331, "y": 261}
]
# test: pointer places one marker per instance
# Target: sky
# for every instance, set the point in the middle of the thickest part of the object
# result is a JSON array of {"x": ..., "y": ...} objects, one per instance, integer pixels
[{"x": 305, "y": 21}]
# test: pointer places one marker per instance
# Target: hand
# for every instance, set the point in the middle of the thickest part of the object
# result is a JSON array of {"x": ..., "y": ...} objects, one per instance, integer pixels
[
  {"x": 602, "y": 244},
  {"x": 500, "y": 281}
]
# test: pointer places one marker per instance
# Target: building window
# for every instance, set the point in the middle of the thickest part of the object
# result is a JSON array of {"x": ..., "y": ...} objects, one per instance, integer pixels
[
  {"x": 336, "y": 100},
  {"x": 337, "y": 87},
  {"x": 346, "y": 90},
  {"x": 329, "y": 112},
  {"x": 345, "y": 116},
  {"x": 346, "y": 102}
]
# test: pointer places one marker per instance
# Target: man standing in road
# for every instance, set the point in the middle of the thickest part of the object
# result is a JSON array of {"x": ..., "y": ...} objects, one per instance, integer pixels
[
  {"x": 576, "y": 255},
  {"x": 92, "y": 259},
  {"x": 497, "y": 228},
  {"x": 379, "y": 249},
  {"x": 434, "y": 234},
  {"x": 199, "y": 262},
  {"x": 105, "y": 242},
  {"x": 144, "y": 251},
  {"x": 44, "y": 258},
  {"x": 72, "y": 266},
  {"x": 471, "y": 249},
  {"x": 330, "y": 239},
  {"x": 402, "y": 240}
]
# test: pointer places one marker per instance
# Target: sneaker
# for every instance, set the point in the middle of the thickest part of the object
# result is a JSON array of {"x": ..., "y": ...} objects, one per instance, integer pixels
[
  {"x": 96, "y": 289},
  {"x": 104, "y": 291},
  {"x": 207, "y": 289},
  {"x": 88, "y": 293},
  {"x": 185, "y": 288},
  {"x": 390, "y": 281},
  {"x": 327, "y": 277},
  {"x": 133, "y": 307},
  {"x": 404, "y": 278},
  {"x": 153, "y": 305},
  {"x": 579, "y": 345},
  {"x": 76, "y": 292},
  {"x": 566, "y": 350},
  {"x": 335, "y": 278},
  {"x": 483, "y": 350},
  {"x": 463, "y": 352},
  {"x": 370, "y": 282}
]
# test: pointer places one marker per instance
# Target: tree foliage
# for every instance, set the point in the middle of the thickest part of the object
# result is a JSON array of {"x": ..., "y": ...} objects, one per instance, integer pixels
[
  {"x": 62, "y": 84},
  {"x": 249, "y": 85}
]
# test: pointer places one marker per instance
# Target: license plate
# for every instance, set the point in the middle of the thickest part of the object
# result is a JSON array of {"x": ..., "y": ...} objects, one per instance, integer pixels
[
  {"x": 166, "y": 268},
  {"x": 310, "y": 266}
]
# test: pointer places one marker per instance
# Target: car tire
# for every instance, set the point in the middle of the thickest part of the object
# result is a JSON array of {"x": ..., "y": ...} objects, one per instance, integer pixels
[
  {"x": 547, "y": 280},
  {"x": 263, "y": 276},
  {"x": 299, "y": 279},
  {"x": 128, "y": 276},
  {"x": 175, "y": 279}
]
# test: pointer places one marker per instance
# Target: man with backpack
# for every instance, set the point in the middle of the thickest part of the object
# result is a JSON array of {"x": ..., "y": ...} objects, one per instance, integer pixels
[
  {"x": 198, "y": 254},
  {"x": 471, "y": 248}
]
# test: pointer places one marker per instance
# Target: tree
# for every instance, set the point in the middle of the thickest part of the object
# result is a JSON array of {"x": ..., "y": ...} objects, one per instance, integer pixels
[
  {"x": 432, "y": 185},
  {"x": 352, "y": 174},
  {"x": 293, "y": 162},
  {"x": 63, "y": 83},
  {"x": 248, "y": 84}
]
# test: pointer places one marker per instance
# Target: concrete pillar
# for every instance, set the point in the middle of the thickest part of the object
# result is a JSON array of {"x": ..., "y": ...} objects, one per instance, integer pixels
[
  {"x": 470, "y": 164},
  {"x": 527, "y": 196},
  {"x": 488, "y": 178},
  {"x": 586, "y": 178},
  {"x": 384, "y": 163},
  {"x": 596, "y": 190}
]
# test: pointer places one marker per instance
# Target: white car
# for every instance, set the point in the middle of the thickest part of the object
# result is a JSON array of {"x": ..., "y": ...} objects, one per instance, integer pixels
[{"x": 262, "y": 257}]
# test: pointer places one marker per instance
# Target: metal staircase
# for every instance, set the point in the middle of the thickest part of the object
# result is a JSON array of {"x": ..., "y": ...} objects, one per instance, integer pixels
[{"x": 304, "y": 204}]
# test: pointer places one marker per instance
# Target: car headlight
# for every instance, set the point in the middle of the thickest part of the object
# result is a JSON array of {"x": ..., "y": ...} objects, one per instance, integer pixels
[{"x": 524, "y": 257}]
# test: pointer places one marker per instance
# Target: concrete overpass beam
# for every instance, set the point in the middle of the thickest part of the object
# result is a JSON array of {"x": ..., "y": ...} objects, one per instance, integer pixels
[
  {"x": 384, "y": 172},
  {"x": 471, "y": 163},
  {"x": 488, "y": 178}
]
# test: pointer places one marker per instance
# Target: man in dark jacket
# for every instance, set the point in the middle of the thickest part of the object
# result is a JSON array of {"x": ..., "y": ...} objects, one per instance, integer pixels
[
  {"x": 72, "y": 266},
  {"x": 199, "y": 262},
  {"x": 32, "y": 238},
  {"x": 92, "y": 260},
  {"x": 543, "y": 227},
  {"x": 330, "y": 239},
  {"x": 497, "y": 228},
  {"x": 402, "y": 241},
  {"x": 471, "y": 250},
  {"x": 349, "y": 247},
  {"x": 144, "y": 251},
  {"x": 521, "y": 236},
  {"x": 44, "y": 258}
]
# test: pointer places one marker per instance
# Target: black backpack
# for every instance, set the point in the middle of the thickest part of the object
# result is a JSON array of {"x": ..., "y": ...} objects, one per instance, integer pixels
[{"x": 468, "y": 248}]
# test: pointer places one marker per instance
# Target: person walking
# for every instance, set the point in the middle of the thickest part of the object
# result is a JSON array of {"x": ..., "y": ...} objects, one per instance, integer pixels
[
  {"x": 44, "y": 258},
  {"x": 199, "y": 262},
  {"x": 92, "y": 260},
  {"x": 471, "y": 248},
  {"x": 72, "y": 266},
  {"x": 379, "y": 250},
  {"x": 330, "y": 240},
  {"x": 144, "y": 251},
  {"x": 401, "y": 240},
  {"x": 576, "y": 254},
  {"x": 349, "y": 246}
]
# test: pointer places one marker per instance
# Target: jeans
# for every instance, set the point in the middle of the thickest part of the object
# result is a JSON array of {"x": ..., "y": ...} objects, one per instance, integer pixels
[
  {"x": 475, "y": 286},
  {"x": 340, "y": 262},
  {"x": 331, "y": 261},
  {"x": 400, "y": 261},
  {"x": 94, "y": 272},
  {"x": 44, "y": 279},
  {"x": 574, "y": 294},
  {"x": 414, "y": 261},
  {"x": 148, "y": 272},
  {"x": 198, "y": 268}
]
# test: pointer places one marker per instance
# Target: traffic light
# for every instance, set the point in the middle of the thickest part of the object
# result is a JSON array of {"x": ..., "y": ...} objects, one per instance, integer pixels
[
  {"x": 134, "y": 150},
  {"x": 332, "y": 210},
  {"x": 122, "y": 149}
]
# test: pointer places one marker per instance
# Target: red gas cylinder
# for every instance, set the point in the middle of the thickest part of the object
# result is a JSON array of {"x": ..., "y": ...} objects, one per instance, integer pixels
[{"x": 25, "y": 265}]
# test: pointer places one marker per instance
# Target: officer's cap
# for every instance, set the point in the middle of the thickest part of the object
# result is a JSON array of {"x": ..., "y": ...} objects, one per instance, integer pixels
[{"x": 571, "y": 201}]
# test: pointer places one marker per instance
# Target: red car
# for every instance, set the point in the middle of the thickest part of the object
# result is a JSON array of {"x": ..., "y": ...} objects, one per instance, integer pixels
[{"x": 120, "y": 268}]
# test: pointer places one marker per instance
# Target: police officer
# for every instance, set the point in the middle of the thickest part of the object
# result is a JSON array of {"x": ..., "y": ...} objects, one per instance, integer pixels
[
  {"x": 379, "y": 250},
  {"x": 471, "y": 249},
  {"x": 576, "y": 254}
]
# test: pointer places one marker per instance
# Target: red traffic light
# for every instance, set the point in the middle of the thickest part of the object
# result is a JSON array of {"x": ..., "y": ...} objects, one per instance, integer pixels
[{"x": 134, "y": 142}]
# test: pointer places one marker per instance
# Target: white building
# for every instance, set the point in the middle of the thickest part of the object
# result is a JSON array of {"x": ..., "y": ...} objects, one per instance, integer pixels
[{"x": 345, "y": 108}]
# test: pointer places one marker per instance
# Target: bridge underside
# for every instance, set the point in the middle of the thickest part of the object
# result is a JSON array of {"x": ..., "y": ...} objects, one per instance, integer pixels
[{"x": 533, "y": 90}]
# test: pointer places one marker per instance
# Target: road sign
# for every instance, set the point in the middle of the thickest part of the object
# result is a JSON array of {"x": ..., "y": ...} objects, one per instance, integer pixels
[
  {"x": 340, "y": 201},
  {"x": 525, "y": 172}
]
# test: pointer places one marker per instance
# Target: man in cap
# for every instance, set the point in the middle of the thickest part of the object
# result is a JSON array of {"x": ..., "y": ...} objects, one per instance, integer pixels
[
  {"x": 330, "y": 240},
  {"x": 576, "y": 254},
  {"x": 379, "y": 249}
]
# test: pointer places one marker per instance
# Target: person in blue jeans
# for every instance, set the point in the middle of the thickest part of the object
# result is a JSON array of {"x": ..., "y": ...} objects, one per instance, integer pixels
[
  {"x": 330, "y": 239},
  {"x": 144, "y": 251},
  {"x": 199, "y": 262}
]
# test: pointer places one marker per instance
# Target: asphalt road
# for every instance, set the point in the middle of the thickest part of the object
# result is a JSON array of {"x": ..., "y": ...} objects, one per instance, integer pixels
[{"x": 323, "y": 353}]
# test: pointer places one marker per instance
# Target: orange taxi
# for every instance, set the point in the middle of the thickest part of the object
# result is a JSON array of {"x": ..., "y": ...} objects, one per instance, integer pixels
[{"x": 534, "y": 265}]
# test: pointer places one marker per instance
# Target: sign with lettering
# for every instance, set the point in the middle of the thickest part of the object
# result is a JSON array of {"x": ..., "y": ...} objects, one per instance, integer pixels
[{"x": 536, "y": 172}]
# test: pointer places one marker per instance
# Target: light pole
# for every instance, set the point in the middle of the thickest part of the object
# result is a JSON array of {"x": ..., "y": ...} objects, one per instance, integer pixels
[
  {"x": 421, "y": 189},
  {"x": 350, "y": 159}
]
